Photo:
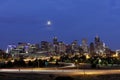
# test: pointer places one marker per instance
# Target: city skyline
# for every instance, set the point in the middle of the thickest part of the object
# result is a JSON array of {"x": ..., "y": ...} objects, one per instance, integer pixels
[
  {"x": 34, "y": 21},
  {"x": 83, "y": 41},
  {"x": 56, "y": 46}
]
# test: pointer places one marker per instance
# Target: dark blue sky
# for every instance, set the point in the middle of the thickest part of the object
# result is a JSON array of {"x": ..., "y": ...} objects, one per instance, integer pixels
[{"x": 25, "y": 21}]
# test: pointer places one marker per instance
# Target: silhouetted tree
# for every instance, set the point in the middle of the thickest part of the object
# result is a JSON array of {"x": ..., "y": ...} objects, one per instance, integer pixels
[
  {"x": 15, "y": 63},
  {"x": 51, "y": 59},
  {"x": 22, "y": 63},
  {"x": 30, "y": 64},
  {"x": 35, "y": 63},
  {"x": 2, "y": 65},
  {"x": 41, "y": 63},
  {"x": 57, "y": 64},
  {"x": 2, "y": 54},
  {"x": 19, "y": 63},
  {"x": 9, "y": 64}
]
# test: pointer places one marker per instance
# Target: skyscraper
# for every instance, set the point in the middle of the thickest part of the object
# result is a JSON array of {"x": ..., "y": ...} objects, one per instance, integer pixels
[
  {"x": 61, "y": 47},
  {"x": 92, "y": 48},
  {"x": 44, "y": 45},
  {"x": 99, "y": 46},
  {"x": 97, "y": 39},
  {"x": 74, "y": 46},
  {"x": 55, "y": 40},
  {"x": 85, "y": 45}
]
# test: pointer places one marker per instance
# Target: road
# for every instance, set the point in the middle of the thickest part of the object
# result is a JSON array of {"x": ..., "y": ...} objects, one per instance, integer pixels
[{"x": 62, "y": 71}]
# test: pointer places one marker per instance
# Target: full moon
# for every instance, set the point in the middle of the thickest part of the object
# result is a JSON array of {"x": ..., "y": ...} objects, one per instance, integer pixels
[{"x": 49, "y": 23}]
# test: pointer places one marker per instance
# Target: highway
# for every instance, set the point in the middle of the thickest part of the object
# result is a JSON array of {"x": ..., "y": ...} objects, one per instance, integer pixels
[{"x": 62, "y": 71}]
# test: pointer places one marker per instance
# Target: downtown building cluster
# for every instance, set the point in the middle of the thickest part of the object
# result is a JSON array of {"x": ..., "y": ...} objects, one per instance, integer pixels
[{"x": 97, "y": 47}]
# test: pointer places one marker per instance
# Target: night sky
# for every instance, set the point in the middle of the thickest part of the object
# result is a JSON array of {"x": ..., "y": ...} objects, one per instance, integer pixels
[{"x": 26, "y": 21}]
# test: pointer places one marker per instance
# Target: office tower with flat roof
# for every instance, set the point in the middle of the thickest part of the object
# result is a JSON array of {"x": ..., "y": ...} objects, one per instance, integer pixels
[{"x": 85, "y": 46}]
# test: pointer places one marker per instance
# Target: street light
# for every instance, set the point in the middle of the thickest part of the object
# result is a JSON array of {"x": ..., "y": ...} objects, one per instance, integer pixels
[{"x": 76, "y": 63}]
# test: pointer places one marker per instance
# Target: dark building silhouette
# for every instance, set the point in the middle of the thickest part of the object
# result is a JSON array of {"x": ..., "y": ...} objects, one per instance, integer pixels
[
  {"x": 97, "y": 39},
  {"x": 44, "y": 45},
  {"x": 55, "y": 40},
  {"x": 92, "y": 48},
  {"x": 74, "y": 46}
]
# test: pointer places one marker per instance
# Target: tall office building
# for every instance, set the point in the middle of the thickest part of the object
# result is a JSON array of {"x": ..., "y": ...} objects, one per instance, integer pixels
[
  {"x": 92, "y": 48},
  {"x": 55, "y": 40},
  {"x": 99, "y": 46},
  {"x": 74, "y": 46},
  {"x": 97, "y": 39},
  {"x": 10, "y": 48},
  {"x": 62, "y": 47},
  {"x": 85, "y": 46},
  {"x": 44, "y": 45}
]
